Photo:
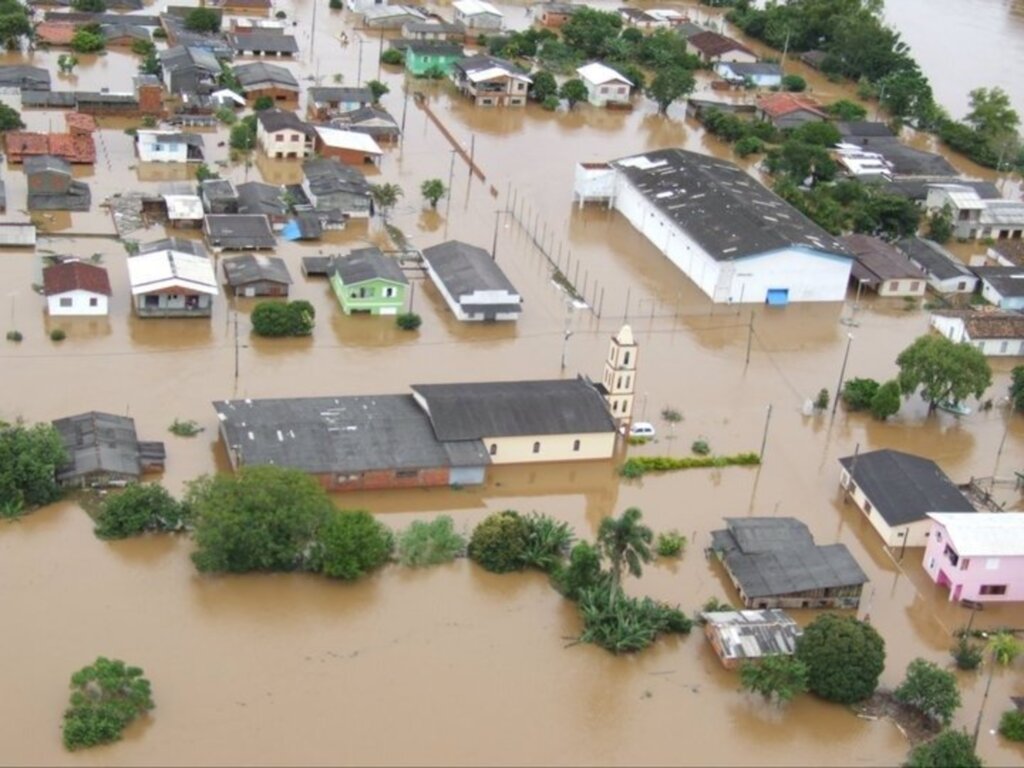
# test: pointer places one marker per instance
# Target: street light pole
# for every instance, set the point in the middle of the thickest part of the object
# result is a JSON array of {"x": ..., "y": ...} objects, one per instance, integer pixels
[
  {"x": 842, "y": 373},
  {"x": 494, "y": 243}
]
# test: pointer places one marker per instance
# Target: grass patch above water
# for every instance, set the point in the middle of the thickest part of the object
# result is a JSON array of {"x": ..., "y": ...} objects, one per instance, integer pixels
[{"x": 638, "y": 466}]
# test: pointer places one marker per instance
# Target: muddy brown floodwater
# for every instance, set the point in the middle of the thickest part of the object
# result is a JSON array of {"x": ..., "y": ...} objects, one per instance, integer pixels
[{"x": 454, "y": 665}]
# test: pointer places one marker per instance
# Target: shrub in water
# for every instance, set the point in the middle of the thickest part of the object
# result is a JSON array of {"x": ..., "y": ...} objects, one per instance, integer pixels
[
  {"x": 583, "y": 571},
  {"x": 670, "y": 544},
  {"x": 966, "y": 654},
  {"x": 429, "y": 543},
  {"x": 57, "y": 334},
  {"x": 500, "y": 541},
  {"x": 14, "y": 336},
  {"x": 701, "y": 447},
  {"x": 349, "y": 544},
  {"x": 626, "y": 624},
  {"x": 408, "y": 321},
  {"x": 547, "y": 542},
  {"x": 105, "y": 698},
  {"x": 1011, "y": 725},
  {"x": 138, "y": 509}
]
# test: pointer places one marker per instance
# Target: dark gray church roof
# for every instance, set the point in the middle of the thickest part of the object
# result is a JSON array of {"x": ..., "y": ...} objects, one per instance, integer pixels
[
  {"x": 772, "y": 556},
  {"x": 514, "y": 408},
  {"x": 721, "y": 207},
  {"x": 904, "y": 488}
]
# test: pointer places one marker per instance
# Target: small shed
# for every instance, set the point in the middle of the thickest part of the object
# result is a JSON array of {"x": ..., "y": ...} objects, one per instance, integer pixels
[
  {"x": 944, "y": 272},
  {"x": 257, "y": 275},
  {"x": 103, "y": 449},
  {"x": 352, "y": 147},
  {"x": 76, "y": 288},
  {"x": 789, "y": 110},
  {"x": 471, "y": 283},
  {"x": 883, "y": 268},
  {"x": 741, "y": 636}
]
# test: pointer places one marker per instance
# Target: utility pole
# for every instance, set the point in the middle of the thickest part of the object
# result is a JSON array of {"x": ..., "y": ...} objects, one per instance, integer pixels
[
  {"x": 494, "y": 243},
  {"x": 448, "y": 202},
  {"x": 236, "y": 344},
  {"x": 405, "y": 108},
  {"x": 380, "y": 57},
  {"x": 567, "y": 333},
  {"x": 412, "y": 294},
  {"x": 842, "y": 373},
  {"x": 984, "y": 699},
  {"x": 359, "y": 67},
  {"x": 750, "y": 336},
  {"x": 312, "y": 36},
  {"x": 764, "y": 437}
]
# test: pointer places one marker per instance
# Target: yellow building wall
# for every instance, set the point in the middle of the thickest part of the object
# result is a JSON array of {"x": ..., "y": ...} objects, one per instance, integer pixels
[{"x": 519, "y": 450}]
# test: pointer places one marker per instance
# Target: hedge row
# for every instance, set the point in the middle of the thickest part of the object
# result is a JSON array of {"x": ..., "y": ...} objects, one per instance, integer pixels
[{"x": 641, "y": 465}]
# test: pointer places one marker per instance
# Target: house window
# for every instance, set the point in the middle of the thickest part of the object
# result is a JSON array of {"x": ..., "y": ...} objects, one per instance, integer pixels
[
  {"x": 965, "y": 563},
  {"x": 536, "y": 447},
  {"x": 867, "y": 507},
  {"x": 992, "y": 589},
  {"x": 961, "y": 286},
  {"x": 914, "y": 285},
  {"x": 94, "y": 302},
  {"x": 951, "y": 555},
  {"x": 575, "y": 445},
  {"x": 66, "y": 302},
  {"x": 389, "y": 293},
  {"x": 494, "y": 449},
  {"x": 406, "y": 473},
  {"x": 938, "y": 535},
  {"x": 625, "y": 360},
  {"x": 991, "y": 563},
  {"x": 295, "y": 137}
]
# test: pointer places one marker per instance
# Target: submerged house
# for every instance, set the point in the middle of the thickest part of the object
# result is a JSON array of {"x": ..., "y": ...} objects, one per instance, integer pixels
[
  {"x": 774, "y": 563},
  {"x": 491, "y": 82},
  {"x": 76, "y": 288},
  {"x": 238, "y": 232},
  {"x": 741, "y": 636},
  {"x": 331, "y": 185},
  {"x": 103, "y": 449},
  {"x": 367, "y": 282},
  {"x": 51, "y": 186},
  {"x": 605, "y": 86},
  {"x": 735, "y": 239},
  {"x": 897, "y": 491},
  {"x": 977, "y": 557},
  {"x": 169, "y": 146},
  {"x": 471, "y": 283},
  {"x": 943, "y": 271},
  {"x": 257, "y": 275},
  {"x": 172, "y": 283},
  {"x": 440, "y": 435},
  {"x": 882, "y": 268},
  {"x": 996, "y": 333}
]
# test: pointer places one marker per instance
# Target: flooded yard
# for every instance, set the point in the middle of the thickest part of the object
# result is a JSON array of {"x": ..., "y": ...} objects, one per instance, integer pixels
[{"x": 454, "y": 665}]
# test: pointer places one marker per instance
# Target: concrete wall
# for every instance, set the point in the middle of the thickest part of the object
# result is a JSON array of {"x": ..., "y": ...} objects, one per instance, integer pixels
[
  {"x": 519, "y": 450},
  {"x": 78, "y": 303}
]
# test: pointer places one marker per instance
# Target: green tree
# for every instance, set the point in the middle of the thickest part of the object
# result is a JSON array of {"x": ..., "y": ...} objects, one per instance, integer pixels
[
  {"x": 930, "y": 690},
  {"x": 551, "y": 103},
  {"x": 950, "y": 749},
  {"x": 991, "y": 114},
  {"x": 573, "y": 91},
  {"x": 426, "y": 543},
  {"x": 204, "y": 172},
  {"x": 906, "y": 93},
  {"x": 10, "y": 119},
  {"x": 1017, "y": 387},
  {"x": 143, "y": 47},
  {"x": 1011, "y": 725},
  {"x": 633, "y": 73},
  {"x": 349, "y": 544},
  {"x": 262, "y": 103},
  {"x": 84, "y": 41},
  {"x": 623, "y": 624},
  {"x": 748, "y": 145},
  {"x": 393, "y": 56},
  {"x": 543, "y": 85},
  {"x": 377, "y": 90},
  {"x": 670, "y": 84},
  {"x": 940, "y": 225},
  {"x": 203, "y": 20},
  {"x": 275, "y": 319},
  {"x": 89, "y": 6},
  {"x": 243, "y": 135},
  {"x": 846, "y": 111},
  {"x": 500, "y": 541},
  {"x": 150, "y": 64},
  {"x": 582, "y": 572},
  {"x": 942, "y": 370},
  {"x": 433, "y": 190},
  {"x": 819, "y": 134},
  {"x": 261, "y": 519},
  {"x": 29, "y": 459},
  {"x": 775, "y": 677},
  {"x": 844, "y": 658},
  {"x": 886, "y": 401},
  {"x": 138, "y": 509},
  {"x": 547, "y": 542},
  {"x": 590, "y": 32},
  {"x": 105, "y": 698},
  {"x": 385, "y": 197},
  {"x": 67, "y": 62},
  {"x": 794, "y": 83},
  {"x": 967, "y": 655},
  {"x": 625, "y": 541}
]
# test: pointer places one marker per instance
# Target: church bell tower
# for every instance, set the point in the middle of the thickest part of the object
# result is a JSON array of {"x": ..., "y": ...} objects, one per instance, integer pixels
[{"x": 620, "y": 376}]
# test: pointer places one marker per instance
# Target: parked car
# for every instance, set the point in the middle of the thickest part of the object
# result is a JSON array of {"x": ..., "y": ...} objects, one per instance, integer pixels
[{"x": 641, "y": 429}]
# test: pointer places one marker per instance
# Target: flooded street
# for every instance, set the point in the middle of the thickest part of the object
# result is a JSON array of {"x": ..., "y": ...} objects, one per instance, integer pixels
[{"x": 454, "y": 665}]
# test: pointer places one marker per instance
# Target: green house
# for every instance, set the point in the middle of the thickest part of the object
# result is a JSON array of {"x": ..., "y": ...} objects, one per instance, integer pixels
[
  {"x": 422, "y": 56},
  {"x": 368, "y": 282}
]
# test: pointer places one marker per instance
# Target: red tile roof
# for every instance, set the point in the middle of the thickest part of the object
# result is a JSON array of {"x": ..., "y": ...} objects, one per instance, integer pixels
[
  {"x": 55, "y": 32},
  {"x": 75, "y": 276},
  {"x": 712, "y": 44},
  {"x": 779, "y": 104},
  {"x": 79, "y": 122},
  {"x": 21, "y": 143},
  {"x": 72, "y": 147}
]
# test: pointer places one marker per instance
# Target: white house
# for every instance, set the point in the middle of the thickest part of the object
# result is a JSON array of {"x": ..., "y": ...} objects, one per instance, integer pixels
[
  {"x": 882, "y": 268},
  {"x": 763, "y": 74},
  {"x": 76, "y": 288},
  {"x": 1002, "y": 286},
  {"x": 172, "y": 283},
  {"x": 996, "y": 334},
  {"x": 477, "y": 14},
  {"x": 604, "y": 85},
  {"x": 472, "y": 284},
  {"x": 169, "y": 147},
  {"x": 975, "y": 217},
  {"x": 897, "y": 491},
  {"x": 738, "y": 241},
  {"x": 943, "y": 271}
]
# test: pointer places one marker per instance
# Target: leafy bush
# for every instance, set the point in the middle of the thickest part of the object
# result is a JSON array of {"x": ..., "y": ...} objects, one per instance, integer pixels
[
  {"x": 671, "y": 415},
  {"x": 292, "y": 318},
  {"x": 670, "y": 544},
  {"x": 243, "y": 136},
  {"x": 886, "y": 401},
  {"x": 499, "y": 543},
  {"x": 638, "y": 466},
  {"x": 29, "y": 459},
  {"x": 582, "y": 572},
  {"x": 714, "y": 605},
  {"x": 263, "y": 103},
  {"x": 226, "y": 115},
  {"x": 775, "y": 677},
  {"x": 429, "y": 543},
  {"x": 821, "y": 401},
  {"x": 930, "y": 690},
  {"x": 1016, "y": 384},
  {"x": 392, "y": 56},
  {"x": 139, "y": 509},
  {"x": 105, "y": 698},
  {"x": 349, "y": 544},
  {"x": 949, "y": 748},
  {"x": 1011, "y": 725},
  {"x": 159, "y": 33},
  {"x": 626, "y": 624},
  {"x": 58, "y": 334},
  {"x": 550, "y": 103},
  {"x": 966, "y": 654},
  {"x": 188, "y": 428},
  {"x": 701, "y": 447},
  {"x": 14, "y": 336},
  {"x": 547, "y": 542},
  {"x": 336, "y": 5},
  {"x": 845, "y": 110},
  {"x": 543, "y": 86},
  {"x": 203, "y": 20},
  {"x": 794, "y": 83},
  {"x": 408, "y": 321},
  {"x": 749, "y": 145},
  {"x": 260, "y": 519},
  {"x": 844, "y": 657},
  {"x": 858, "y": 393},
  {"x": 85, "y": 41}
]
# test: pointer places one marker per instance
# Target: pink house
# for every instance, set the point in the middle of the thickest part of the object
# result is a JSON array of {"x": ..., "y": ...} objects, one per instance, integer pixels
[{"x": 977, "y": 557}]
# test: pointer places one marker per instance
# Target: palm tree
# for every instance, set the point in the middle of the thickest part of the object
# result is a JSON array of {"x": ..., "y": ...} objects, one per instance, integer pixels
[
  {"x": 433, "y": 190},
  {"x": 625, "y": 541},
  {"x": 385, "y": 197}
]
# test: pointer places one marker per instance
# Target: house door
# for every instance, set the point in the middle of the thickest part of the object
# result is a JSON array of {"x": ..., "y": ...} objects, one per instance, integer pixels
[
  {"x": 777, "y": 297},
  {"x": 956, "y": 592}
]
